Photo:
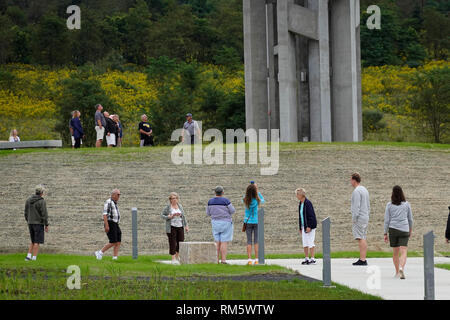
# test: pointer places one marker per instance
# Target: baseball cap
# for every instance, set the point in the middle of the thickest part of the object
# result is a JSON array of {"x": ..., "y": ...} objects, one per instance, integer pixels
[
  {"x": 189, "y": 115},
  {"x": 218, "y": 189}
]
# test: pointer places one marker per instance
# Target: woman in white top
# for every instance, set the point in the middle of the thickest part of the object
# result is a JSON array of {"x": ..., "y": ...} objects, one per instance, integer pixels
[
  {"x": 13, "y": 136},
  {"x": 176, "y": 223}
]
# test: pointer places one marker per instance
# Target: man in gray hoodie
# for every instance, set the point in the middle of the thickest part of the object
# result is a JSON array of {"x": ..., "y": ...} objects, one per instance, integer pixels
[
  {"x": 360, "y": 208},
  {"x": 37, "y": 218}
]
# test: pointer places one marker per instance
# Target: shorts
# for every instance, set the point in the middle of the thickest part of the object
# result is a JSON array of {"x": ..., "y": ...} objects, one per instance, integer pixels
[
  {"x": 111, "y": 139},
  {"x": 398, "y": 238},
  {"x": 73, "y": 141},
  {"x": 252, "y": 228},
  {"x": 100, "y": 132},
  {"x": 36, "y": 233},
  {"x": 308, "y": 238},
  {"x": 222, "y": 230},
  {"x": 359, "y": 229},
  {"x": 114, "y": 234}
]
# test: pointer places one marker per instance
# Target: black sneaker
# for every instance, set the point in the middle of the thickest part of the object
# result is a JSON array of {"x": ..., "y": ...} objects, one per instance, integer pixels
[
  {"x": 312, "y": 261},
  {"x": 306, "y": 261},
  {"x": 360, "y": 263},
  {"x": 27, "y": 259}
]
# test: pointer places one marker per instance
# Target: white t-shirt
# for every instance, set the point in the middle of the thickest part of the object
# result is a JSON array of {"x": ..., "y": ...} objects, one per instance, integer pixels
[
  {"x": 176, "y": 221},
  {"x": 11, "y": 139}
]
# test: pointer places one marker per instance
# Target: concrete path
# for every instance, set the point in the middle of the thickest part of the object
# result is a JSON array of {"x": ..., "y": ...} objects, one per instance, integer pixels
[{"x": 364, "y": 278}]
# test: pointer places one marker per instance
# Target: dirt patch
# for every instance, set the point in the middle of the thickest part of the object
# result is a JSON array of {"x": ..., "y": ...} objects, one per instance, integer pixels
[{"x": 80, "y": 182}]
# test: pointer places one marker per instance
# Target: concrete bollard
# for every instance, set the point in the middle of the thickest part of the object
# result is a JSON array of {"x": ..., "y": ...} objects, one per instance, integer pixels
[
  {"x": 134, "y": 232},
  {"x": 428, "y": 264},
  {"x": 261, "y": 259},
  {"x": 326, "y": 251}
]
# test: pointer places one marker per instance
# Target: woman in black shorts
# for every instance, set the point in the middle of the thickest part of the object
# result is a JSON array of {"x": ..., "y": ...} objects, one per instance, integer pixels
[{"x": 398, "y": 223}]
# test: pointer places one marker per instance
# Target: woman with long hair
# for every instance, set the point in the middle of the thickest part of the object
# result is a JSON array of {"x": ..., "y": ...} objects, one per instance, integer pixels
[
  {"x": 252, "y": 200},
  {"x": 398, "y": 223}
]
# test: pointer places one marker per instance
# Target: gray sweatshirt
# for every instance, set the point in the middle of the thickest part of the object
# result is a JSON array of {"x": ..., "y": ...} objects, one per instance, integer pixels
[
  {"x": 360, "y": 205},
  {"x": 398, "y": 217}
]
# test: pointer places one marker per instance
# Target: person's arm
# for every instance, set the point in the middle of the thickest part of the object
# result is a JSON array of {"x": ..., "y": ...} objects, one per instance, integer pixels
[
  {"x": 311, "y": 216},
  {"x": 105, "y": 221},
  {"x": 45, "y": 215},
  {"x": 165, "y": 214},
  {"x": 208, "y": 211},
  {"x": 447, "y": 231},
  {"x": 77, "y": 126},
  {"x": 99, "y": 123},
  {"x": 356, "y": 205},
  {"x": 387, "y": 220},
  {"x": 261, "y": 198},
  {"x": 26, "y": 211},
  {"x": 183, "y": 217},
  {"x": 410, "y": 219},
  {"x": 231, "y": 209},
  {"x": 105, "y": 216}
]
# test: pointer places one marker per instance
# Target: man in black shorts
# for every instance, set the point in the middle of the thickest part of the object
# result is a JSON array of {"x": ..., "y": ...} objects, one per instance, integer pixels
[
  {"x": 37, "y": 218},
  {"x": 111, "y": 219}
]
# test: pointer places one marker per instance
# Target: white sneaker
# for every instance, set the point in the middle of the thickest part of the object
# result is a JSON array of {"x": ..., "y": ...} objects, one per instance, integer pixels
[
  {"x": 114, "y": 258},
  {"x": 402, "y": 274},
  {"x": 175, "y": 262},
  {"x": 98, "y": 255}
]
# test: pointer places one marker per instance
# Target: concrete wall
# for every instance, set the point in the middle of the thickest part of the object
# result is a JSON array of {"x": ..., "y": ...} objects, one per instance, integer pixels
[{"x": 256, "y": 106}]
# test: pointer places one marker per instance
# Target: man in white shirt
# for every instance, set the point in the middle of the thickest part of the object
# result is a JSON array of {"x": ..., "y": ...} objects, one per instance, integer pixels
[{"x": 360, "y": 208}]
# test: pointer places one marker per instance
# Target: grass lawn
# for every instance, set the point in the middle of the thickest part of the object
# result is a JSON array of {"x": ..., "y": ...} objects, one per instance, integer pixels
[
  {"x": 145, "y": 278},
  {"x": 443, "y": 266}
]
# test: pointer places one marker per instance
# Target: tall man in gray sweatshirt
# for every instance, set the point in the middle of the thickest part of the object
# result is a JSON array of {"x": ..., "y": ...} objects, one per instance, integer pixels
[{"x": 360, "y": 208}]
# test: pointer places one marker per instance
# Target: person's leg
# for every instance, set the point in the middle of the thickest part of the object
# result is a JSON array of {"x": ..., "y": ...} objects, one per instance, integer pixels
[
  {"x": 362, "y": 243},
  {"x": 180, "y": 238},
  {"x": 249, "y": 251},
  {"x": 256, "y": 251},
  {"x": 403, "y": 256},
  {"x": 116, "y": 249},
  {"x": 305, "y": 250},
  {"x": 223, "y": 251},
  {"x": 30, "y": 248},
  {"x": 311, "y": 253},
  {"x": 218, "y": 245},
  {"x": 35, "y": 249},
  {"x": 107, "y": 247},
  {"x": 395, "y": 258}
]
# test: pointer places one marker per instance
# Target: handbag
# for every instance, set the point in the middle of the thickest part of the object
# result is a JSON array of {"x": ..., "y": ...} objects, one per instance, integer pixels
[{"x": 244, "y": 227}]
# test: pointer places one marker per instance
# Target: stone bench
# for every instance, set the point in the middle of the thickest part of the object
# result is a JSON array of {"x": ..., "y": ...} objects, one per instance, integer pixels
[
  {"x": 198, "y": 252},
  {"x": 31, "y": 144}
]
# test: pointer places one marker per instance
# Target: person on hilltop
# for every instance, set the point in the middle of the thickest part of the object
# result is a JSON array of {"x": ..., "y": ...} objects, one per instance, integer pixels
[
  {"x": 360, "y": 209},
  {"x": 77, "y": 129},
  {"x": 14, "y": 136},
  {"x": 111, "y": 130},
  {"x": 36, "y": 217},
  {"x": 100, "y": 124},
  {"x": 146, "y": 131},
  {"x": 191, "y": 129}
]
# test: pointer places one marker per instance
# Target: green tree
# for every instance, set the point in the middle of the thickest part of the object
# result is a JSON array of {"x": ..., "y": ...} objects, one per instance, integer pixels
[
  {"x": 6, "y": 39},
  {"x": 51, "y": 42},
  {"x": 436, "y": 35},
  {"x": 431, "y": 100}
]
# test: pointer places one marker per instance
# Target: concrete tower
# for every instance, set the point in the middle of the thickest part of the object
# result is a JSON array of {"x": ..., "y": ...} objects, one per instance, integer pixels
[{"x": 303, "y": 68}]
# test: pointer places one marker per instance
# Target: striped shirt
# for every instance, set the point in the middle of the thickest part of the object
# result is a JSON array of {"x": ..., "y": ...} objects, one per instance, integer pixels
[
  {"x": 220, "y": 208},
  {"x": 111, "y": 210}
]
